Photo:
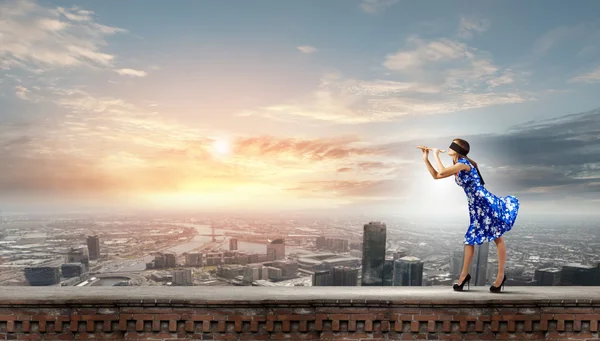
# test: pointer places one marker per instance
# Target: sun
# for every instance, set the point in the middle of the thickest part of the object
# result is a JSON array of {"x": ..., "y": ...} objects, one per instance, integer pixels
[{"x": 221, "y": 147}]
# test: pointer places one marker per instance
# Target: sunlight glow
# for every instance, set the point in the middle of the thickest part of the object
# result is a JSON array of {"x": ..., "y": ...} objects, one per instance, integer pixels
[{"x": 221, "y": 147}]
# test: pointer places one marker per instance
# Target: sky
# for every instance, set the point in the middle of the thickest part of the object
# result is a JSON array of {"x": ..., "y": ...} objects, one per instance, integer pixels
[{"x": 296, "y": 105}]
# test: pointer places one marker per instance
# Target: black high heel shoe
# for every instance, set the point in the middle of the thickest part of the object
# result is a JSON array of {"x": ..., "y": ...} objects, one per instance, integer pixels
[
  {"x": 498, "y": 288},
  {"x": 457, "y": 287}
]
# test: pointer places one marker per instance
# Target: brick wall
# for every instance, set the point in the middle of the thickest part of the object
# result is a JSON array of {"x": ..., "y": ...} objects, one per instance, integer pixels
[{"x": 94, "y": 316}]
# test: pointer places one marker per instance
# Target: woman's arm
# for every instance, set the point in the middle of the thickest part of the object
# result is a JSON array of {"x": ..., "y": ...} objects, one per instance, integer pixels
[
  {"x": 436, "y": 155},
  {"x": 445, "y": 172}
]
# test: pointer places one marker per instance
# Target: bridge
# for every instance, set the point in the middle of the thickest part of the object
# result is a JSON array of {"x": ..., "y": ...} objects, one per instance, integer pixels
[
  {"x": 213, "y": 234},
  {"x": 298, "y": 313}
]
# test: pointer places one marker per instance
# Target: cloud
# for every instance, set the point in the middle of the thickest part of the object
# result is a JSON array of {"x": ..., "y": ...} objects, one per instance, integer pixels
[
  {"x": 426, "y": 52},
  {"x": 542, "y": 160},
  {"x": 106, "y": 148},
  {"x": 48, "y": 38},
  {"x": 376, "y": 6},
  {"x": 586, "y": 34},
  {"x": 427, "y": 77},
  {"x": 348, "y": 188},
  {"x": 590, "y": 77},
  {"x": 131, "y": 72},
  {"x": 344, "y": 170},
  {"x": 351, "y": 101},
  {"x": 508, "y": 77},
  {"x": 37, "y": 38},
  {"x": 92, "y": 152},
  {"x": 298, "y": 149},
  {"x": 471, "y": 26},
  {"x": 22, "y": 92},
  {"x": 453, "y": 63},
  {"x": 307, "y": 49},
  {"x": 76, "y": 14}
]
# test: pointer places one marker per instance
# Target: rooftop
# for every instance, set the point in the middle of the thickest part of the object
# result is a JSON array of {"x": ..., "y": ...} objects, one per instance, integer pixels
[
  {"x": 349, "y": 295},
  {"x": 298, "y": 313}
]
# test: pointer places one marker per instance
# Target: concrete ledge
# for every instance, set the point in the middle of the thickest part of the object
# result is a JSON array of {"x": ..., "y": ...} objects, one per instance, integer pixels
[
  {"x": 298, "y": 313},
  {"x": 241, "y": 296}
]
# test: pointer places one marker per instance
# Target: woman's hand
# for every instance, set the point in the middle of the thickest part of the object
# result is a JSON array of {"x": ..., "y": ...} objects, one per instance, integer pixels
[
  {"x": 425, "y": 155},
  {"x": 436, "y": 151}
]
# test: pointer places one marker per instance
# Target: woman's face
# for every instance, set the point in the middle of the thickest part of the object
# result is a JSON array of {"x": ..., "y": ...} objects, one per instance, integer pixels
[{"x": 451, "y": 152}]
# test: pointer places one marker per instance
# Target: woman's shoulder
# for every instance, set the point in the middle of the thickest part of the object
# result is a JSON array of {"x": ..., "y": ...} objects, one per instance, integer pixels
[{"x": 465, "y": 161}]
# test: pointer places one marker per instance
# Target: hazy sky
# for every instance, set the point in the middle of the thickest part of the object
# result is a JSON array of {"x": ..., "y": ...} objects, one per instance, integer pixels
[{"x": 296, "y": 104}]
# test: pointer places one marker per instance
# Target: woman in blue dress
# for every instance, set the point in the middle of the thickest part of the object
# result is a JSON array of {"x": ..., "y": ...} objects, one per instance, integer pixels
[{"x": 490, "y": 216}]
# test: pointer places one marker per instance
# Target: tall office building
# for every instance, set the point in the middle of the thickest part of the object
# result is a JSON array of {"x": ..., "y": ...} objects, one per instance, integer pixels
[
  {"x": 479, "y": 263},
  {"x": 338, "y": 276},
  {"x": 345, "y": 276},
  {"x": 373, "y": 260},
  {"x": 183, "y": 277},
  {"x": 388, "y": 272},
  {"x": 408, "y": 271},
  {"x": 170, "y": 259},
  {"x": 456, "y": 262},
  {"x": 271, "y": 254},
  {"x": 322, "y": 278},
  {"x": 42, "y": 276},
  {"x": 252, "y": 273},
  {"x": 93, "y": 244},
  {"x": 547, "y": 277},
  {"x": 278, "y": 249},
  {"x": 193, "y": 259},
  {"x": 580, "y": 275},
  {"x": 78, "y": 255},
  {"x": 233, "y": 244},
  {"x": 321, "y": 243},
  {"x": 332, "y": 244},
  {"x": 69, "y": 270}
]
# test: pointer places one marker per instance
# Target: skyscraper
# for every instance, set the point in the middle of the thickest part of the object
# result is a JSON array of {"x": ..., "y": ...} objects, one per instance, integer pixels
[
  {"x": 183, "y": 277},
  {"x": 374, "y": 239},
  {"x": 456, "y": 262},
  {"x": 479, "y": 263},
  {"x": 93, "y": 244},
  {"x": 170, "y": 259},
  {"x": 43, "y": 275},
  {"x": 338, "y": 276},
  {"x": 322, "y": 278},
  {"x": 345, "y": 276},
  {"x": 388, "y": 272},
  {"x": 233, "y": 244},
  {"x": 278, "y": 247},
  {"x": 408, "y": 271},
  {"x": 580, "y": 275},
  {"x": 547, "y": 277},
  {"x": 78, "y": 254}
]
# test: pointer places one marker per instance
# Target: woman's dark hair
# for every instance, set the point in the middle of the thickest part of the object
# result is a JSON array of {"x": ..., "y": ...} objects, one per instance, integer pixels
[{"x": 465, "y": 145}]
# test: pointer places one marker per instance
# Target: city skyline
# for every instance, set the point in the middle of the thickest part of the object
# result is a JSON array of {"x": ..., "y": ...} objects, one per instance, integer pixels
[{"x": 296, "y": 105}]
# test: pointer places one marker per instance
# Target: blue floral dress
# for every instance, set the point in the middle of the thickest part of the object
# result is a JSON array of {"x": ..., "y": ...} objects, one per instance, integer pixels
[{"x": 490, "y": 216}]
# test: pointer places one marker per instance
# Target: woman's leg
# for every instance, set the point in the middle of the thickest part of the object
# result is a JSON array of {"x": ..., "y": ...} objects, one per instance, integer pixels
[
  {"x": 469, "y": 251},
  {"x": 501, "y": 259}
]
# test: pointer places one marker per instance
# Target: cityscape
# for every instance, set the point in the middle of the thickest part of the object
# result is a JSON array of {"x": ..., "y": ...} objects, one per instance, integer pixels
[
  {"x": 298, "y": 251},
  {"x": 316, "y": 170},
  {"x": 228, "y": 144}
]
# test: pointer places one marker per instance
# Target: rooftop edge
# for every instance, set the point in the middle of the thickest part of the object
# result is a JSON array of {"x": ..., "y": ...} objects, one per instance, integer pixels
[{"x": 296, "y": 296}]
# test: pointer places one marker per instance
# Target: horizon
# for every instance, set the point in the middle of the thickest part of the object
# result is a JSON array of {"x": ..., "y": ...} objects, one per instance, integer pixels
[{"x": 296, "y": 106}]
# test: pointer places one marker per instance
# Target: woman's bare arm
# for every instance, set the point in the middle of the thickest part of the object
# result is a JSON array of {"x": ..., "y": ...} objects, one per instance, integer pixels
[
  {"x": 447, "y": 171},
  {"x": 439, "y": 163}
]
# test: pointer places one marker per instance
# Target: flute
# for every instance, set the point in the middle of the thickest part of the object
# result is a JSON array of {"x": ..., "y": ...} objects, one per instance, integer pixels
[{"x": 423, "y": 147}]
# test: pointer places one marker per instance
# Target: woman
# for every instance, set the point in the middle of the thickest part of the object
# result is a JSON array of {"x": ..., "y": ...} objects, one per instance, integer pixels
[{"x": 490, "y": 216}]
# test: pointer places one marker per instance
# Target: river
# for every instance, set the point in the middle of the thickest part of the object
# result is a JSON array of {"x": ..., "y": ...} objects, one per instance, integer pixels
[{"x": 202, "y": 238}]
